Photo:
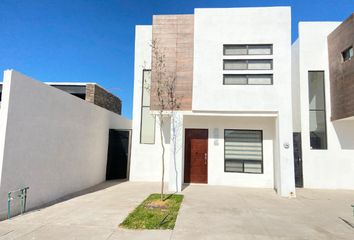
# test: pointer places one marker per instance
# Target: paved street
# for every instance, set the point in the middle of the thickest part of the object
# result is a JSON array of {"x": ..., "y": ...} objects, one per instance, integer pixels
[{"x": 208, "y": 212}]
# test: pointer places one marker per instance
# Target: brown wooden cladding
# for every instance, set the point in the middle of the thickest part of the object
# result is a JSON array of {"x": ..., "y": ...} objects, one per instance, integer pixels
[
  {"x": 341, "y": 73},
  {"x": 174, "y": 35}
]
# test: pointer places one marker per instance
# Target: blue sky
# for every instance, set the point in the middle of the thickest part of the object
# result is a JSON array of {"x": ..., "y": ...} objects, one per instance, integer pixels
[{"x": 93, "y": 40}]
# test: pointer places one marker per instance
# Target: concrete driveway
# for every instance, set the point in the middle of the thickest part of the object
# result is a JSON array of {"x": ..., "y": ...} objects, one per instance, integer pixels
[{"x": 208, "y": 212}]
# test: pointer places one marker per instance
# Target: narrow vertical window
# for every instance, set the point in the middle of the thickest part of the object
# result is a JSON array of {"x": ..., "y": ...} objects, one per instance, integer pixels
[
  {"x": 317, "y": 107},
  {"x": 147, "y": 124}
]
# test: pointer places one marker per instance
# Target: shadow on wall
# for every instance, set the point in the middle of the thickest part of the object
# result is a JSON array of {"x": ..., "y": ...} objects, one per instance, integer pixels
[
  {"x": 166, "y": 129},
  {"x": 345, "y": 133},
  {"x": 177, "y": 146}
]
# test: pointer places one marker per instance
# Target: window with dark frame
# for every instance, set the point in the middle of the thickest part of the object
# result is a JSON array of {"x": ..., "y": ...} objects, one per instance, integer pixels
[
  {"x": 248, "y": 79},
  {"x": 347, "y": 54},
  {"x": 261, "y": 67},
  {"x": 248, "y": 49},
  {"x": 243, "y": 151},
  {"x": 147, "y": 122},
  {"x": 317, "y": 108},
  {"x": 248, "y": 64}
]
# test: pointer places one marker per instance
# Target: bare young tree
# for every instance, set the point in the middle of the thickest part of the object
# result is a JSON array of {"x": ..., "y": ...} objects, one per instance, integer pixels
[{"x": 164, "y": 98}]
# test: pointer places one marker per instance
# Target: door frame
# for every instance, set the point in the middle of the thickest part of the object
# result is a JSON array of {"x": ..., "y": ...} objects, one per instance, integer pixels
[
  {"x": 184, "y": 154},
  {"x": 129, "y": 148},
  {"x": 129, "y": 152}
]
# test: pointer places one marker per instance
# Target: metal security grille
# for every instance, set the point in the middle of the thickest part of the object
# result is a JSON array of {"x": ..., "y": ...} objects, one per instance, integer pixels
[{"x": 243, "y": 151}]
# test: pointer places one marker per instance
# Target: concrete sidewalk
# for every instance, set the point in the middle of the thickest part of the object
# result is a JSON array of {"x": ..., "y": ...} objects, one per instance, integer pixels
[
  {"x": 208, "y": 212},
  {"x": 211, "y": 212}
]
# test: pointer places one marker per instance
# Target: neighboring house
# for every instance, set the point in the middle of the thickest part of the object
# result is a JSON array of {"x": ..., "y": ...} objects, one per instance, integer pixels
[
  {"x": 245, "y": 94},
  {"x": 323, "y": 88},
  {"x": 55, "y": 143},
  {"x": 90, "y": 92}
]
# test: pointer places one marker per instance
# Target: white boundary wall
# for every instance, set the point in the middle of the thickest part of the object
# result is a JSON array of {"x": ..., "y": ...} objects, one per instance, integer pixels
[{"x": 50, "y": 141}]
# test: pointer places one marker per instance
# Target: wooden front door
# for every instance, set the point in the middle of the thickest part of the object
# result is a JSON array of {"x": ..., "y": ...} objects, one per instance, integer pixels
[{"x": 196, "y": 156}]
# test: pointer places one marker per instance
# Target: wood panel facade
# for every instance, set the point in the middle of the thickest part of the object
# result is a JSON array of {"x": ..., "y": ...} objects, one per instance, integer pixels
[
  {"x": 341, "y": 72},
  {"x": 174, "y": 36}
]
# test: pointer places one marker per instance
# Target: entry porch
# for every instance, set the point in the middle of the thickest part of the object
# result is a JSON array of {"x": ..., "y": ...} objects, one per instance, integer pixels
[{"x": 229, "y": 150}]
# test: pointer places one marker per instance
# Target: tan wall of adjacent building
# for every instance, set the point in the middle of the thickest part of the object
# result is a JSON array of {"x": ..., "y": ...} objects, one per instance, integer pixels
[{"x": 341, "y": 73}]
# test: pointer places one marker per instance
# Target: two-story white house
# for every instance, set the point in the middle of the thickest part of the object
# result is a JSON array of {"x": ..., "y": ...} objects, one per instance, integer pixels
[
  {"x": 323, "y": 104},
  {"x": 234, "y": 127},
  {"x": 244, "y": 95}
]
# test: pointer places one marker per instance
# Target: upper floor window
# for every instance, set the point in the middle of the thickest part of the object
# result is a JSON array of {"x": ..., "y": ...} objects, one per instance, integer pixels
[
  {"x": 248, "y": 49},
  {"x": 259, "y": 66},
  {"x": 254, "y": 64},
  {"x": 248, "y": 79},
  {"x": 347, "y": 54}
]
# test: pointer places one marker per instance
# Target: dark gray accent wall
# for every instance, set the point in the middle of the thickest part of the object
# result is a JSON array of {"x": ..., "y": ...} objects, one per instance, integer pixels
[{"x": 99, "y": 96}]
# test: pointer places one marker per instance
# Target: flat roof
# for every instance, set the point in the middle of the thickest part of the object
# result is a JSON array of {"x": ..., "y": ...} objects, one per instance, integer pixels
[
  {"x": 70, "y": 83},
  {"x": 67, "y": 83}
]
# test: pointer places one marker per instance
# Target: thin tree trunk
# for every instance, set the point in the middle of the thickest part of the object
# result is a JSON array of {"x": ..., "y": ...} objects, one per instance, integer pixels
[{"x": 162, "y": 157}]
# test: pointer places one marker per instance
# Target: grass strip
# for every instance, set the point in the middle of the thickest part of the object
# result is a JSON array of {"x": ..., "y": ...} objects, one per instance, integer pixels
[{"x": 153, "y": 213}]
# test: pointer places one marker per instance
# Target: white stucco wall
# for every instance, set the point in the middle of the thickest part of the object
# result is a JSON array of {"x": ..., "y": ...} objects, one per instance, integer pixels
[
  {"x": 215, "y": 27},
  {"x": 145, "y": 158},
  {"x": 295, "y": 86},
  {"x": 269, "y": 25},
  {"x": 50, "y": 141},
  {"x": 332, "y": 168}
]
